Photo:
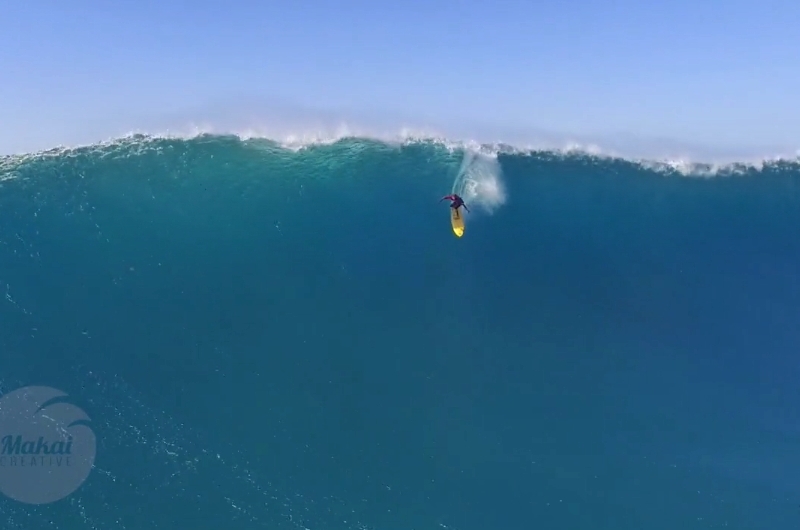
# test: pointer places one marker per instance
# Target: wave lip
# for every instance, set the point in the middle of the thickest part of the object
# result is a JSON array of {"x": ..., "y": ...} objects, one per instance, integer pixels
[{"x": 493, "y": 193}]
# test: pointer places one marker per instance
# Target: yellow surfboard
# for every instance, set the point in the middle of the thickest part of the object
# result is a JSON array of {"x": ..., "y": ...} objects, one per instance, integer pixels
[{"x": 457, "y": 221}]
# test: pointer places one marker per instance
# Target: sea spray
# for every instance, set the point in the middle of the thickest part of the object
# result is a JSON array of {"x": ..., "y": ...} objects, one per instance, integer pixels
[{"x": 479, "y": 182}]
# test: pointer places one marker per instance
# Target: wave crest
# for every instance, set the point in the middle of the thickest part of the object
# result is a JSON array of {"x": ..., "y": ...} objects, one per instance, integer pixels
[{"x": 480, "y": 160}]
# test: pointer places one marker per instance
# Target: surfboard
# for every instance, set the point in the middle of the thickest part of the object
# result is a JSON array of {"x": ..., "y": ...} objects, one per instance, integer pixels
[{"x": 457, "y": 221}]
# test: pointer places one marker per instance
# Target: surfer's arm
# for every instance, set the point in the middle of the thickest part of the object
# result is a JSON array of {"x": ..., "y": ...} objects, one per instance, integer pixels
[
  {"x": 446, "y": 197},
  {"x": 465, "y": 207}
]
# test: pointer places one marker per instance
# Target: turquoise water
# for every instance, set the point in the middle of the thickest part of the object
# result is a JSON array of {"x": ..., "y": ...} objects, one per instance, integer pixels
[{"x": 267, "y": 338}]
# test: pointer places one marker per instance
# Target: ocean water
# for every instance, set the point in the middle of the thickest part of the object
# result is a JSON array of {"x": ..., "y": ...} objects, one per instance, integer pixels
[{"x": 294, "y": 339}]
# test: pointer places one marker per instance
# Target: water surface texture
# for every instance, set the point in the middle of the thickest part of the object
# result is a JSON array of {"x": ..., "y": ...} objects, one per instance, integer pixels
[{"x": 294, "y": 339}]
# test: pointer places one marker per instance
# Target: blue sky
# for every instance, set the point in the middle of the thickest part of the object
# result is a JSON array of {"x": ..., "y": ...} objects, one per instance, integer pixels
[{"x": 725, "y": 74}]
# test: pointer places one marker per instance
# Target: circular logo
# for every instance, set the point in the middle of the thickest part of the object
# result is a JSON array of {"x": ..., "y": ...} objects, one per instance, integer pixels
[{"x": 47, "y": 448}]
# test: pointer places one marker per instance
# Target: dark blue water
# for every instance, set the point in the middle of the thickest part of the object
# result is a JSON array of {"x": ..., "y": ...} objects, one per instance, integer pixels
[{"x": 296, "y": 340}]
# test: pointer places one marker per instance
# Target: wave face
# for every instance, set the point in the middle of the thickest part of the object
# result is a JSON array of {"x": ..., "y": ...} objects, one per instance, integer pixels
[{"x": 294, "y": 339}]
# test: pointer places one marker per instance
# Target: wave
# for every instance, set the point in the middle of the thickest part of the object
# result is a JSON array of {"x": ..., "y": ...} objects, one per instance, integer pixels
[
  {"x": 129, "y": 260},
  {"x": 475, "y": 152}
]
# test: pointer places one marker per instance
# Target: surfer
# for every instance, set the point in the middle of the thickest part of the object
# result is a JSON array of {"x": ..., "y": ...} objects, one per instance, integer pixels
[{"x": 456, "y": 201}]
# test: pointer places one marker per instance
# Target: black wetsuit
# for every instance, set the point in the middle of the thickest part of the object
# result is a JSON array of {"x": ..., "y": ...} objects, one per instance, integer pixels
[{"x": 456, "y": 201}]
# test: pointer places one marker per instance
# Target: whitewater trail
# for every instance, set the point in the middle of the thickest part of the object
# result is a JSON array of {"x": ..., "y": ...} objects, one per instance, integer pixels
[{"x": 479, "y": 182}]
